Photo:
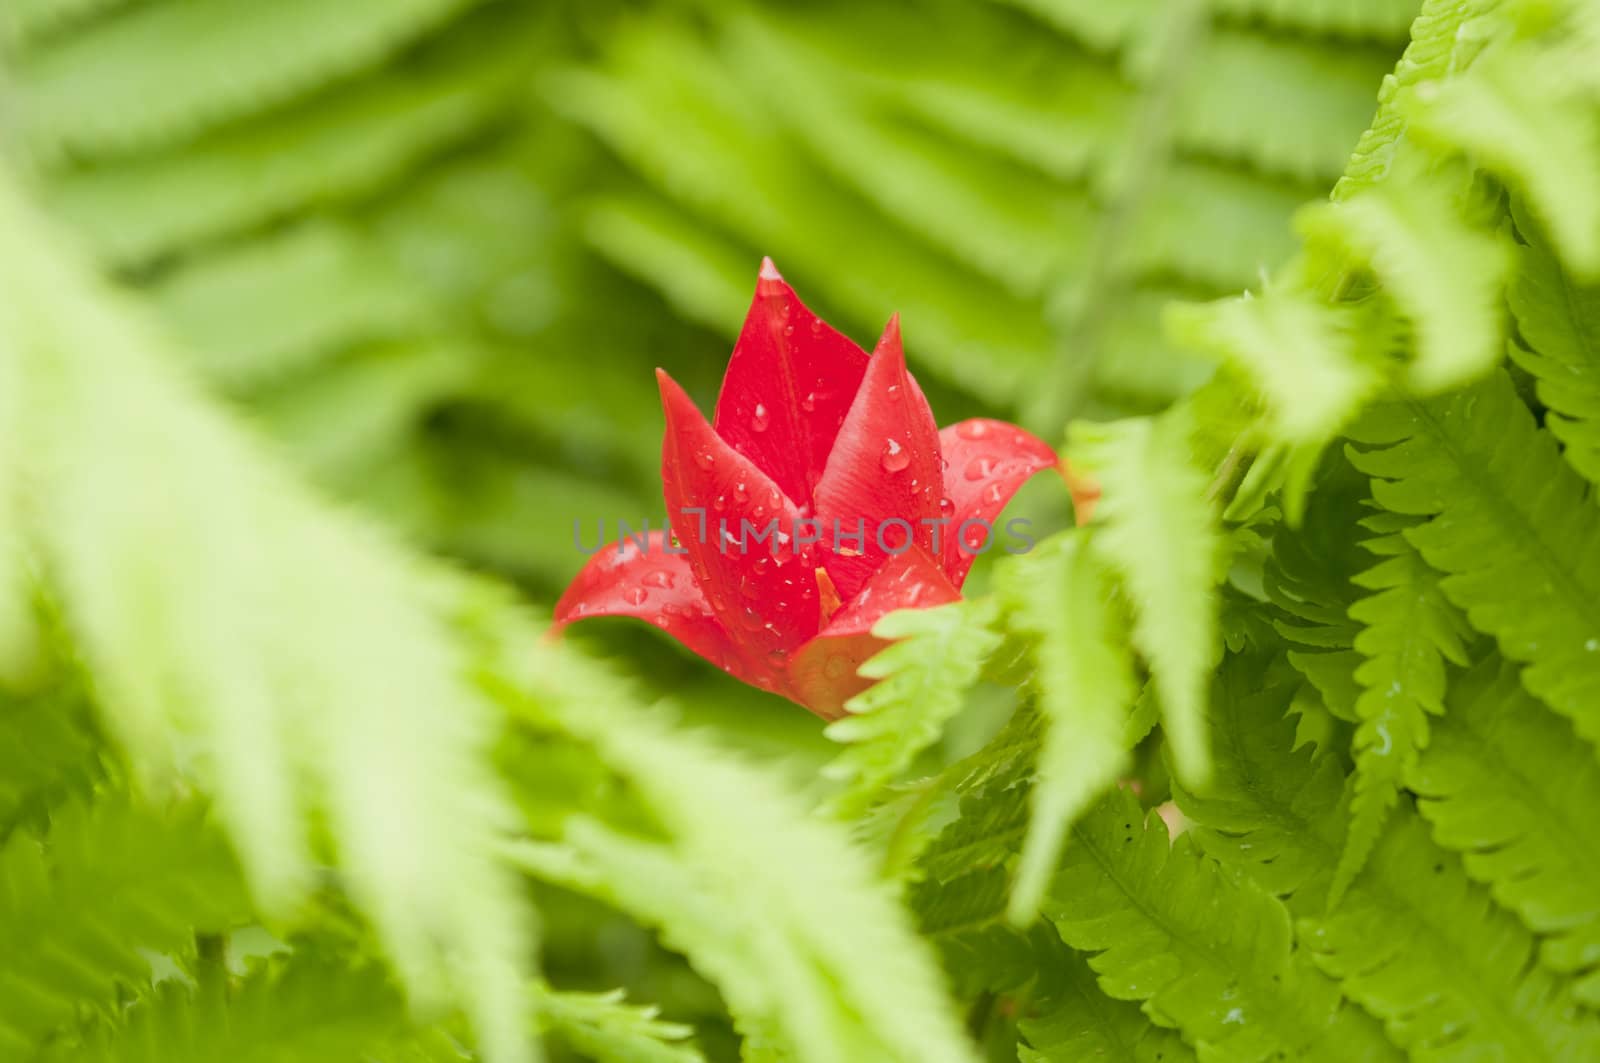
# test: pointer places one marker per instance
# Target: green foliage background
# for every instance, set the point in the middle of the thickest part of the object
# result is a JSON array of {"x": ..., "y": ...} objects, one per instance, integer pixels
[{"x": 320, "y": 324}]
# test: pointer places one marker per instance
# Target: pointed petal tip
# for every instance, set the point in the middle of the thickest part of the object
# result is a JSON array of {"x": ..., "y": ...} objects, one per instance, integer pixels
[
  {"x": 890, "y": 341},
  {"x": 769, "y": 270}
]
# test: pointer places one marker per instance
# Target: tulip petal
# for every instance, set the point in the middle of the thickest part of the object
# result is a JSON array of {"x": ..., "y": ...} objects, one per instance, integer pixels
[
  {"x": 822, "y": 673},
  {"x": 719, "y": 503},
  {"x": 987, "y": 462},
  {"x": 652, "y": 584},
  {"x": 787, "y": 387},
  {"x": 884, "y": 474}
]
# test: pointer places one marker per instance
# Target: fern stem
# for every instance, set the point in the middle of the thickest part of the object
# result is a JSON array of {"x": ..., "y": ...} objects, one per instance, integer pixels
[{"x": 1081, "y": 306}]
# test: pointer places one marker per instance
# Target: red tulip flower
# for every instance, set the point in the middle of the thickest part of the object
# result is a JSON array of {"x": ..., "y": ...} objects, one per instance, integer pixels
[{"x": 868, "y": 507}]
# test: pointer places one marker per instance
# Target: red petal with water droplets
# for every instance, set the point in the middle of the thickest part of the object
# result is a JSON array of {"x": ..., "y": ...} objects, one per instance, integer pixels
[
  {"x": 822, "y": 673},
  {"x": 987, "y": 462},
  {"x": 787, "y": 387},
  {"x": 764, "y": 593},
  {"x": 884, "y": 467},
  {"x": 653, "y": 585}
]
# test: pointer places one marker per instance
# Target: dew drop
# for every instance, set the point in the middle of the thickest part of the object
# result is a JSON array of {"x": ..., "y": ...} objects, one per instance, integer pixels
[
  {"x": 740, "y": 492},
  {"x": 979, "y": 469},
  {"x": 760, "y": 419},
  {"x": 750, "y": 588},
  {"x": 719, "y": 503},
  {"x": 973, "y": 430},
  {"x": 788, "y": 330},
  {"x": 895, "y": 456},
  {"x": 994, "y": 496},
  {"x": 636, "y": 595},
  {"x": 947, "y": 506},
  {"x": 777, "y": 658},
  {"x": 659, "y": 578},
  {"x": 809, "y": 403}
]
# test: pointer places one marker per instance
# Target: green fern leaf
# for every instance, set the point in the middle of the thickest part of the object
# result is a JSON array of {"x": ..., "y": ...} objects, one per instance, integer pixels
[
  {"x": 79, "y": 912},
  {"x": 326, "y": 150},
  {"x": 97, "y": 93},
  {"x": 1516, "y": 108},
  {"x": 48, "y": 751},
  {"x": 1061, "y": 598},
  {"x": 293, "y": 1010},
  {"x": 965, "y": 919},
  {"x": 1077, "y": 1021},
  {"x": 1443, "y": 274},
  {"x": 302, "y": 654},
  {"x": 604, "y": 1029},
  {"x": 1505, "y": 784},
  {"x": 1513, "y": 531},
  {"x": 1560, "y": 322},
  {"x": 1160, "y": 538},
  {"x": 1209, "y": 953},
  {"x": 1409, "y": 630},
  {"x": 924, "y": 675},
  {"x": 813, "y": 955},
  {"x": 285, "y": 302},
  {"x": 1450, "y": 980},
  {"x": 24, "y": 22},
  {"x": 1413, "y": 941},
  {"x": 1297, "y": 351},
  {"x": 1367, "y": 19}
]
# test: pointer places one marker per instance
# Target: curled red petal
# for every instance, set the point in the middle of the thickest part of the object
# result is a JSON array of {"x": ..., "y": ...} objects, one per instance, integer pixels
[
  {"x": 884, "y": 476},
  {"x": 822, "y": 673},
  {"x": 738, "y": 529},
  {"x": 986, "y": 462},
  {"x": 652, "y": 584},
  {"x": 788, "y": 385}
]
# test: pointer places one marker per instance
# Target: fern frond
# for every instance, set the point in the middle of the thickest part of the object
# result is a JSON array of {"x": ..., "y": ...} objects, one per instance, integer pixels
[
  {"x": 1060, "y": 596},
  {"x": 1413, "y": 941},
  {"x": 1298, "y": 352},
  {"x": 1160, "y": 537},
  {"x": 785, "y": 200},
  {"x": 48, "y": 751},
  {"x": 1409, "y": 630},
  {"x": 301, "y": 653},
  {"x": 1102, "y": 27},
  {"x": 1505, "y": 784},
  {"x": 276, "y": 305},
  {"x": 1447, "y": 971},
  {"x": 303, "y": 1007},
  {"x": 1559, "y": 320},
  {"x": 605, "y": 1029},
  {"x": 1363, "y": 19},
  {"x": 936, "y": 657},
  {"x": 703, "y": 275},
  {"x": 810, "y": 950},
  {"x": 1210, "y": 953},
  {"x": 1513, "y": 530},
  {"x": 1517, "y": 108},
  {"x": 1321, "y": 100},
  {"x": 80, "y": 911},
  {"x": 97, "y": 93},
  {"x": 965, "y": 919},
  {"x": 328, "y": 150},
  {"x": 1440, "y": 46},
  {"x": 1076, "y": 1020},
  {"x": 1211, "y": 226},
  {"x": 1444, "y": 274}
]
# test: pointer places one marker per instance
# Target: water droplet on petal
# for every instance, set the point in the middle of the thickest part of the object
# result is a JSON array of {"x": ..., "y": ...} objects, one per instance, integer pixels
[
  {"x": 740, "y": 492},
  {"x": 704, "y": 459},
  {"x": 635, "y": 595},
  {"x": 659, "y": 620},
  {"x": 788, "y": 330},
  {"x": 979, "y": 469},
  {"x": 659, "y": 578},
  {"x": 809, "y": 403},
  {"x": 760, "y": 419},
  {"x": 895, "y": 456},
  {"x": 947, "y": 506},
  {"x": 973, "y": 430},
  {"x": 993, "y": 495},
  {"x": 719, "y": 503}
]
